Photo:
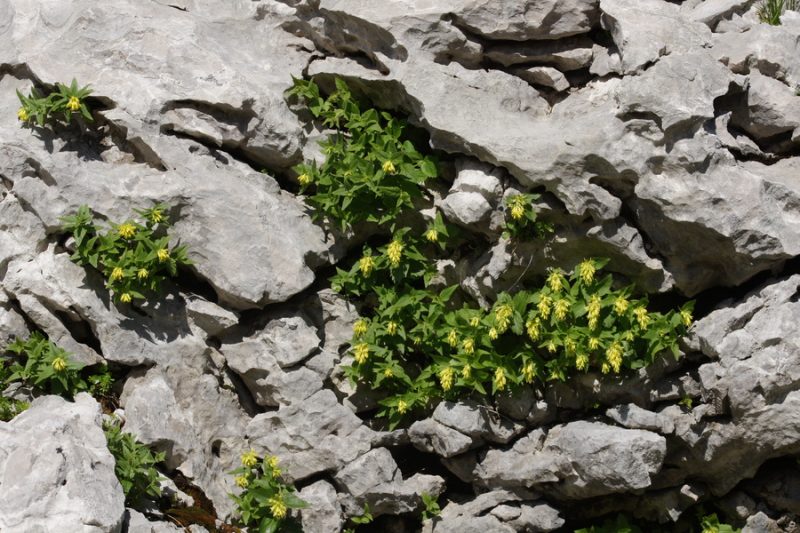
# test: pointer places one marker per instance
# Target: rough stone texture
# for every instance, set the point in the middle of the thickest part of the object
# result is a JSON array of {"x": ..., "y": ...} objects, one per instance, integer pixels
[
  {"x": 324, "y": 512},
  {"x": 56, "y": 472}
]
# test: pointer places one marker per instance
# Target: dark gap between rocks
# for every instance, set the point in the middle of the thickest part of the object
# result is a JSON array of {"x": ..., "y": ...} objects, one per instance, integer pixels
[{"x": 80, "y": 330}]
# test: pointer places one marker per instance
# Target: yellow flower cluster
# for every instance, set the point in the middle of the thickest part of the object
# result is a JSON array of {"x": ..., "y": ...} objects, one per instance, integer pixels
[
  {"x": 466, "y": 372},
  {"x": 534, "y": 329},
  {"x": 304, "y": 180},
  {"x": 391, "y": 328},
  {"x": 126, "y": 231},
  {"x": 125, "y": 298},
  {"x": 74, "y": 103},
  {"x": 556, "y": 281},
  {"x": 22, "y": 114},
  {"x": 561, "y": 308},
  {"x": 614, "y": 356},
  {"x": 388, "y": 373},
  {"x": 277, "y": 507},
  {"x": 586, "y": 271},
  {"x": 242, "y": 481},
  {"x": 517, "y": 204},
  {"x": 402, "y": 407},
  {"x": 621, "y": 305},
  {"x": 163, "y": 255},
  {"x": 452, "y": 338},
  {"x": 360, "y": 327},
  {"x": 366, "y": 265},
  {"x": 394, "y": 252},
  {"x": 544, "y": 306},
  {"x": 249, "y": 458},
  {"x": 594, "y": 343},
  {"x": 493, "y": 333},
  {"x": 581, "y": 361},
  {"x": 142, "y": 273},
  {"x": 593, "y": 311},
  {"x": 475, "y": 321},
  {"x": 529, "y": 372},
  {"x": 686, "y": 317},
  {"x": 117, "y": 274},
  {"x": 432, "y": 235},
  {"x": 59, "y": 364},
  {"x": 469, "y": 345},
  {"x": 446, "y": 378},
  {"x": 642, "y": 317},
  {"x": 156, "y": 216},
  {"x": 361, "y": 352},
  {"x": 388, "y": 167},
  {"x": 502, "y": 317},
  {"x": 500, "y": 378}
]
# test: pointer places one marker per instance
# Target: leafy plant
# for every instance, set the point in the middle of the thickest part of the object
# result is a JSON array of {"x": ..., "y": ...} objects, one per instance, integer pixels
[
  {"x": 711, "y": 524},
  {"x": 770, "y": 11},
  {"x": 134, "y": 465},
  {"x": 431, "y": 506},
  {"x": 66, "y": 100},
  {"x": 9, "y": 408},
  {"x": 50, "y": 369},
  {"x": 371, "y": 173},
  {"x": 520, "y": 216},
  {"x": 265, "y": 498},
  {"x": 135, "y": 257},
  {"x": 619, "y": 524},
  {"x": 364, "y": 518}
]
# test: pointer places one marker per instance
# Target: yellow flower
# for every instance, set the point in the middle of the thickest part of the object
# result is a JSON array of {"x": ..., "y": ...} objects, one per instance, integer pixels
[
  {"x": 126, "y": 231},
  {"x": 452, "y": 338},
  {"x": 402, "y": 407},
  {"x": 533, "y": 327},
  {"x": 581, "y": 361},
  {"x": 142, "y": 273},
  {"x": 593, "y": 311},
  {"x": 446, "y": 378},
  {"x": 517, "y": 205},
  {"x": 432, "y": 235},
  {"x": 59, "y": 364},
  {"x": 249, "y": 458},
  {"x": 544, "y": 306},
  {"x": 360, "y": 327},
  {"x": 366, "y": 264},
  {"x": 469, "y": 345},
  {"x": 304, "y": 179},
  {"x": 605, "y": 368},
  {"x": 551, "y": 347},
  {"x": 391, "y": 328},
  {"x": 272, "y": 462},
  {"x": 517, "y": 212},
  {"x": 361, "y": 352},
  {"x": 394, "y": 252},
  {"x": 156, "y": 216},
  {"x": 277, "y": 507},
  {"x": 614, "y": 356},
  {"x": 594, "y": 343},
  {"x": 642, "y": 317},
  {"x": 686, "y": 317},
  {"x": 529, "y": 372},
  {"x": 74, "y": 103},
  {"x": 388, "y": 167},
  {"x": 388, "y": 373},
  {"x": 493, "y": 333},
  {"x": 22, "y": 114},
  {"x": 163, "y": 255},
  {"x": 628, "y": 336},
  {"x": 125, "y": 297},
  {"x": 502, "y": 317},
  {"x": 561, "y": 308},
  {"x": 621, "y": 305},
  {"x": 475, "y": 321},
  {"x": 242, "y": 481},
  {"x": 117, "y": 273},
  {"x": 569, "y": 345},
  {"x": 555, "y": 281},
  {"x": 466, "y": 372},
  {"x": 586, "y": 271},
  {"x": 500, "y": 378}
]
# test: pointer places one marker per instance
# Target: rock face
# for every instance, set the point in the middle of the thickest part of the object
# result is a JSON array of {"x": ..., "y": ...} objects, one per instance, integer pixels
[
  {"x": 663, "y": 135},
  {"x": 56, "y": 472}
]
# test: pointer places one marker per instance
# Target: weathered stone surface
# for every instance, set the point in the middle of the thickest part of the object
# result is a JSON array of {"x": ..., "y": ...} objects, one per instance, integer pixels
[
  {"x": 56, "y": 472},
  {"x": 324, "y": 514},
  {"x": 430, "y": 436},
  {"x": 545, "y": 76},
  {"x": 564, "y": 54},
  {"x": 476, "y": 421},
  {"x": 632, "y": 416},
  {"x": 769, "y": 109},
  {"x": 136, "y": 522}
]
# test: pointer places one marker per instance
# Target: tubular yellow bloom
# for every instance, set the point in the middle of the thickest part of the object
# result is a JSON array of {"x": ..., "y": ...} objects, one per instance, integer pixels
[
  {"x": 446, "y": 378},
  {"x": 74, "y": 103},
  {"x": 529, "y": 372},
  {"x": 156, "y": 216},
  {"x": 544, "y": 306},
  {"x": 614, "y": 356},
  {"x": 570, "y": 346},
  {"x": 117, "y": 273},
  {"x": 272, "y": 462},
  {"x": 642, "y": 317},
  {"x": 555, "y": 281},
  {"x": 517, "y": 212},
  {"x": 551, "y": 347},
  {"x": 126, "y": 231},
  {"x": 466, "y": 372},
  {"x": 387, "y": 373},
  {"x": 561, "y": 308},
  {"x": 586, "y": 271},
  {"x": 242, "y": 481},
  {"x": 469, "y": 346},
  {"x": 22, "y": 114},
  {"x": 360, "y": 327},
  {"x": 593, "y": 311},
  {"x": 432, "y": 235},
  {"x": 249, "y": 459},
  {"x": 621, "y": 305},
  {"x": 394, "y": 252},
  {"x": 142, "y": 273},
  {"x": 534, "y": 329},
  {"x": 59, "y": 364},
  {"x": 605, "y": 368},
  {"x": 493, "y": 333},
  {"x": 502, "y": 317},
  {"x": 627, "y": 336},
  {"x": 686, "y": 317},
  {"x": 402, "y": 407},
  {"x": 452, "y": 338},
  {"x": 125, "y": 298},
  {"x": 388, "y": 167},
  {"x": 391, "y": 328},
  {"x": 277, "y": 507},
  {"x": 361, "y": 352},
  {"x": 163, "y": 255},
  {"x": 366, "y": 264},
  {"x": 594, "y": 343},
  {"x": 581, "y": 361},
  {"x": 475, "y": 321},
  {"x": 500, "y": 378},
  {"x": 304, "y": 180}
]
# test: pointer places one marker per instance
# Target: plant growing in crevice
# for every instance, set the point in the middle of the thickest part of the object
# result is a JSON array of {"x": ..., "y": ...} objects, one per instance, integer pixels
[
  {"x": 418, "y": 344},
  {"x": 364, "y": 518},
  {"x": 770, "y": 11},
  {"x": 135, "y": 257},
  {"x": 431, "y": 504},
  {"x": 61, "y": 104},
  {"x": 266, "y": 499},
  {"x": 135, "y": 465}
]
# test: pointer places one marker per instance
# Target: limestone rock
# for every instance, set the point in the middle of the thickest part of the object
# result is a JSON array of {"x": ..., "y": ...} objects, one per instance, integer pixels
[
  {"x": 324, "y": 512},
  {"x": 57, "y": 473},
  {"x": 430, "y": 436}
]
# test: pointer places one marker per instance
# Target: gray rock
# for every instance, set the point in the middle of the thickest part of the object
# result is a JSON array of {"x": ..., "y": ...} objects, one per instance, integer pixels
[
  {"x": 466, "y": 208},
  {"x": 471, "y": 515},
  {"x": 769, "y": 109},
  {"x": 136, "y": 522},
  {"x": 57, "y": 473},
  {"x": 476, "y": 421},
  {"x": 761, "y": 523},
  {"x": 632, "y": 416},
  {"x": 537, "y": 516},
  {"x": 545, "y": 76},
  {"x": 324, "y": 513},
  {"x": 374, "y": 468},
  {"x": 564, "y": 54},
  {"x": 474, "y": 176},
  {"x": 430, "y": 436},
  {"x": 210, "y": 317},
  {"x": 711, "y": 12}
]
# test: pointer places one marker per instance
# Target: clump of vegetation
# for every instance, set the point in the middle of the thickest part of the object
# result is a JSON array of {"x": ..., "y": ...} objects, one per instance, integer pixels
[
  {"x": 135, "y": 257},
  {"x": 134, "y": 465},
  {"x": 49, "y": 369},
  {"x": 266, "y": 498},
  {"x": 416, "y": 344},
  {"x": 10, "y": 407},
  {"x": 770, "y": 11},
  {"x": 61, "y": 104},
  {"x": 701, "y": 523}
]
